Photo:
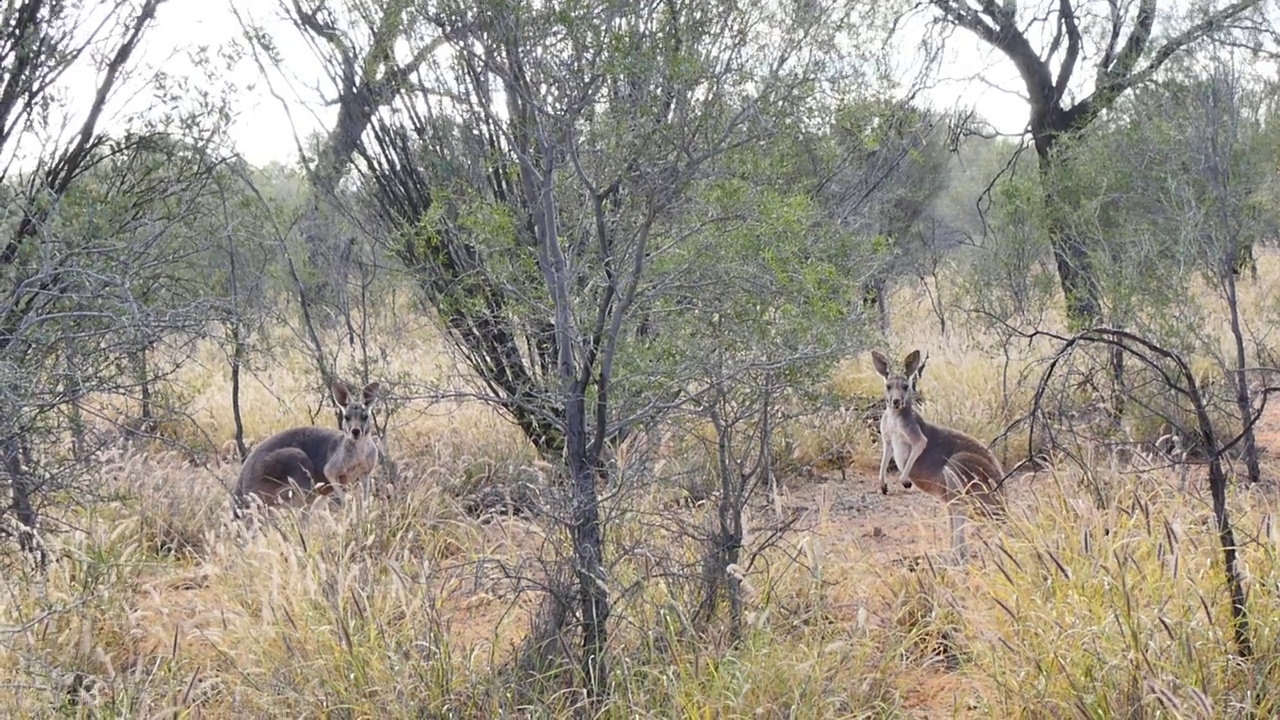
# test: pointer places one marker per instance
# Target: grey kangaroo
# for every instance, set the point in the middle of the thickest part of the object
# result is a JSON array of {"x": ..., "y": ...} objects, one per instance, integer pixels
[
  {"x": 944, "y": 462},
  {"x": 294, "y": 467}
]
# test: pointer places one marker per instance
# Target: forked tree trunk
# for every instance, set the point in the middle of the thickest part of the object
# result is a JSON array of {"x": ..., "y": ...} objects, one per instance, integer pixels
[
  {"x": 730, "y": 545},
  {"x": 726, "y": 541},
  {"x": 575, "y": 373}
]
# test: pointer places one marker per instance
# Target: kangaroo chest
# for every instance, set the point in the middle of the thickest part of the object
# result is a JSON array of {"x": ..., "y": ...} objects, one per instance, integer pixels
[
  {"x": 900, "y": 434},
  {"x": 351, "y": 463}
]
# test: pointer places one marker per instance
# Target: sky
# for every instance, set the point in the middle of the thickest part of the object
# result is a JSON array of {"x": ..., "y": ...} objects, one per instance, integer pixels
[{"x": 264, "y": 132}]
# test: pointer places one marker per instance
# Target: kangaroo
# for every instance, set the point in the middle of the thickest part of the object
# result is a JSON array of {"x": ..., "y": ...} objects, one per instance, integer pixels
[
  {"x": 944, "y": 462},
  {"x": 294, "y": 467}
]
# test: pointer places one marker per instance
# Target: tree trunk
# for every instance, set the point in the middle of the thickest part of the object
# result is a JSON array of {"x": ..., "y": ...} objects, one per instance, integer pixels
[
  {"x": 1245, "y": 261},
  {"x": 726, "y": 541},
  {"x": 79, "y": 428},
  {"x": 1243, "y": 403},
  {"x": 588, "y": 545},
  {"x": 20, "y": 487},
  {"x": 1240, "y": 625},
  {"x": 1076, "y": 273},
  {"x": 322, "y": 273},
  {"x": 235, "y": 329},
  {"x": 873, "y": 297},
  {"x": 326, "y": 265},
  {"x": 730, "y": 549},
  {"x": 1119, "y": 390},
  {"x": 1227, "y": 538},
  {"x": 237, "y": 360},
  {"x": 142, "y": 375}
]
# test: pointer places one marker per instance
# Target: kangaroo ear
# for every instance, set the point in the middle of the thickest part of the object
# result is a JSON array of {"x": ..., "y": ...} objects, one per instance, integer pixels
[
  {"x": 920, "y": 369},
  {"x": 881, "y": 363},
  {"x": 370, "y": 393},
  {"x": 912, "y": 362},
  {"x": 341, "y": 393}
]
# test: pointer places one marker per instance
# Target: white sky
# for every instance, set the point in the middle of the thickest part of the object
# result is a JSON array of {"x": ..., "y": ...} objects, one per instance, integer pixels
[{"x": 264, "y": 132}]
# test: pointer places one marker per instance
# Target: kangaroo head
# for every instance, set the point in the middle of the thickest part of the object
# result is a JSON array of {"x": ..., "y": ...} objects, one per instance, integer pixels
[
  {"x": 898, "y": 389},
  {"x": 354, "y": 414}
]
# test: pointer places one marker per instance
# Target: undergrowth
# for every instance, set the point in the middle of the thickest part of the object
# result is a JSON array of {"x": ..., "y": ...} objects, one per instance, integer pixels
[{"x": 402, "y": 604}]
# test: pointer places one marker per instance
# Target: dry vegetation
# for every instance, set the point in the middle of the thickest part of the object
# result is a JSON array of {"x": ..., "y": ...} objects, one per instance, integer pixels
[{"x": 401, "y": 605}]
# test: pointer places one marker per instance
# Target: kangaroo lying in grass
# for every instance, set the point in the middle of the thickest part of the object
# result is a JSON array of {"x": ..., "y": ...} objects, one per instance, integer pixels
[
  {"x": 295, "y": 467},
  {"x": 944, "y": 462}
]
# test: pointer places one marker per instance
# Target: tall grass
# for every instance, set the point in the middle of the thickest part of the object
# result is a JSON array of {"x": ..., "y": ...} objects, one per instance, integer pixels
[
  {"x": 400, "y": 605},
  {"x": 156, "y": 604}
]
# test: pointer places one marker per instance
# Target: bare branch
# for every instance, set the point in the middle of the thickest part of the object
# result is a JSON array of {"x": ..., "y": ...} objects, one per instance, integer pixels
[
  {"x": 1067, "y": 17},
  {"x": 1113, "y": 81}
]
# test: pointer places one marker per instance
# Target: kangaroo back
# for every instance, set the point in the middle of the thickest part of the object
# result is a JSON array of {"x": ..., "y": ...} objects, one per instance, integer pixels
[
  {"x": 957, "y": 462},
  {"x": 283, "y": 478}
]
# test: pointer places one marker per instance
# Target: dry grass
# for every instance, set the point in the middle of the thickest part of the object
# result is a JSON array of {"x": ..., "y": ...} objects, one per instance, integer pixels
[{"x": 157, "y": 606}]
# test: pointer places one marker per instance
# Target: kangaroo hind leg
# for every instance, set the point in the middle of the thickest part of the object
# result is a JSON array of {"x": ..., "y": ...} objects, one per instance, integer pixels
[{"x": 288, "y": 478}]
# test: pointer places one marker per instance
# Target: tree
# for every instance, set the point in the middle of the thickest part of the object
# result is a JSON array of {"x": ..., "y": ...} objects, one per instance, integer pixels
[
  {"x": 539, "y": 187},
  {"x": 1122, "y": 43},
  {"x": 369, "y": 51},
  {"x": 87, "y": 281},
  {"x": 887, "y": 165},
  {"x": 1171, "y": 370},
  {"x": 39, "y": 42},
  {"x": 766, "y": 320},
  {"x": 1199, "y": 191}
]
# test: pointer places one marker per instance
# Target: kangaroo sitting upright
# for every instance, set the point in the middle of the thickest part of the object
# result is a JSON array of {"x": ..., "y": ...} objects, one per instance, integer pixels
[
  {"x": 294, "y": 467},
  {"x": 944, "y": 462}
]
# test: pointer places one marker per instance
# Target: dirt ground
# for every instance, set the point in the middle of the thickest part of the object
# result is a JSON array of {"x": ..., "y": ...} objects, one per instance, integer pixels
[{"x": 901, "y": 529}]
